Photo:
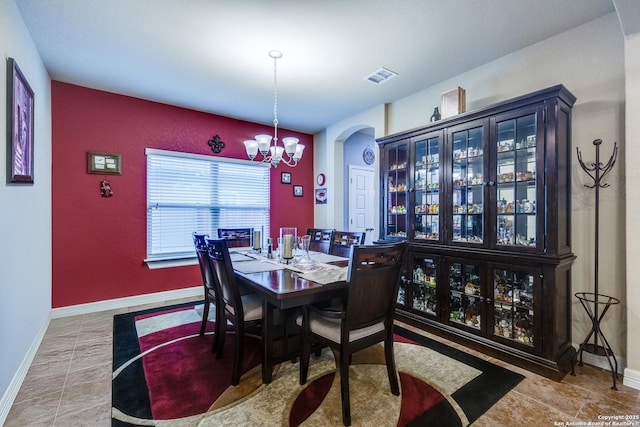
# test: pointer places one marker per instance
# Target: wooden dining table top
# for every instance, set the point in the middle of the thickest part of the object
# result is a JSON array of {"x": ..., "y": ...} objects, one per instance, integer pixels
[{"x": 285, "y": 288}]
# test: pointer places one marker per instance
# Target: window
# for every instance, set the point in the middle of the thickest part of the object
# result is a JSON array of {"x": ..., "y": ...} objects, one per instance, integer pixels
[{"x": 191, "y": 192}]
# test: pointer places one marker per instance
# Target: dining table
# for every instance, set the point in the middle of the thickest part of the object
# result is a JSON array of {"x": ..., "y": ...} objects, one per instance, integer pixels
[{"x": 285, "y": 286}]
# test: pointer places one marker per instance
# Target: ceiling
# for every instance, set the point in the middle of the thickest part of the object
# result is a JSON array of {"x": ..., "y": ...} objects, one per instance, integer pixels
[{"x": 212, "y": 55}]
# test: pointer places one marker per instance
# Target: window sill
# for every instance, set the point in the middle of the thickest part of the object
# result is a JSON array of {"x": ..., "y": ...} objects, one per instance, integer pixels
[{"x": 169, "y": 263}]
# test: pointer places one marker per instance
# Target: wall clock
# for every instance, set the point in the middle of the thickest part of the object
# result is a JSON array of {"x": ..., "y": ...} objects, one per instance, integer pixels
[
  {"x": 320, "y": 179},
  {"x": 368, "y": 156}
]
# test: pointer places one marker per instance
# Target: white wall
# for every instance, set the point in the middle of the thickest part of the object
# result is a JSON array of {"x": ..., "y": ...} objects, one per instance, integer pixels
[
  {"x": 328, "y": 159},
  {"x": 25, "y": 218},
  {"x": 589, "y": 61},
  {"x": 632, "y": 172}
]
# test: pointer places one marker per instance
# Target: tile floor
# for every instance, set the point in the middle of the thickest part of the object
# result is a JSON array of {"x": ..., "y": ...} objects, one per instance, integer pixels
[{"x": 69, "y": 384}]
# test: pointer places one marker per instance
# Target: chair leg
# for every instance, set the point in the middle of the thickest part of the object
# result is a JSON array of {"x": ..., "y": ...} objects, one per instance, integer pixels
[
  {"x": 205, "y": 314},
  {"x": 221, "y": 331},
  {"x": 237, "y": 359},
  {"x": 391, "y": 366},
  {"x": 344, "y": 387},
  {"x": 305, "y": 355}
]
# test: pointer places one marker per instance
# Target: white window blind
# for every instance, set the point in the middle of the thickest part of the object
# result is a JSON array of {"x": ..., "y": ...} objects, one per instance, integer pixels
[{"x": 191, "y": 192}]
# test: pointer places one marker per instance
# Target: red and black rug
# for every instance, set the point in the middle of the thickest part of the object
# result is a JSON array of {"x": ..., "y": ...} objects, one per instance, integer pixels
[{"x": 165, "y": 374}]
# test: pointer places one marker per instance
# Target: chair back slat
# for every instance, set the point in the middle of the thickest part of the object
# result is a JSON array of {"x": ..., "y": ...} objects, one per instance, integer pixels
[
  {"x": 202, "y": 253},
  {"x": 236, "y": 237},
  {"x": 373, "y": 282},
  {"x": 320, "y": 239},
  {"x": 342, "y": 241},
  {"x": 218, "y": 252}
]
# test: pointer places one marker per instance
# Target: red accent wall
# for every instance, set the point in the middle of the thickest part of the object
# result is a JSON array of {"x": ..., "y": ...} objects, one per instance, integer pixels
[{"x": 99, "y": 244}]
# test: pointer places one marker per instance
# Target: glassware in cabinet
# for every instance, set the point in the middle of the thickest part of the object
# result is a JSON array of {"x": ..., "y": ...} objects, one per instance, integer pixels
[
  {"x": 424, "y": 282},
  {"x": 402, "y": 293},
  {"x": 397, "y": 181},
  {"x": 516, "y": 185},
  {"x": 513, "y": 294},
  {"x": 426, "y": 185},
  {"x": 465, "y": 296},
  {"x": 467, "y": 170}
]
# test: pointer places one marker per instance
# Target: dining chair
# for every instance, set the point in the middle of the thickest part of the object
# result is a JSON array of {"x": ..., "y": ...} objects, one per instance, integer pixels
[
  {"x": 341, "y": 242},
  {"x": 320, "y": 239},
  {"x": 236, "y": 237},
  {"x": 210, "y": 286},
  {"x": 365, "y": 318},
  {"x": 243, "y": 311}
]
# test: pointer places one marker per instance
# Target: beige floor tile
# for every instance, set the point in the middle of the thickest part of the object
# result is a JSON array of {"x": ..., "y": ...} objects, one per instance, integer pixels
[
  {"x": 90, "y": 354},
  {"x": 597, "y": 405},
  {"x": 98, "y": 416},
  {"x": 546, "y": 391},
  {"x": 516, "y": 409},
  {"x": 40, "y": 411},
  {"x": 64, "y": 325},
  {"x": 86, "y": 389},
  {"x": 35, "y": 386}
]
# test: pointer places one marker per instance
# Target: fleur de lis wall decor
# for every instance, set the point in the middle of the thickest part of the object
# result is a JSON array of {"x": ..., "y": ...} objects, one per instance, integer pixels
[{"x": 216, "y": 144}]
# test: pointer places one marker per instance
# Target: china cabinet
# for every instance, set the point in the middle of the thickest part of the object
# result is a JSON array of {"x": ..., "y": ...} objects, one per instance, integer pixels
[{"x": 483, "y": 198}]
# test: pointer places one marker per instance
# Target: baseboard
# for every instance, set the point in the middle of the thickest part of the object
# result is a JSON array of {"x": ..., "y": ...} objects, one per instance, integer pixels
[
  {"x": 631, "y": 378},
  {"x": 112, "y": 304},
  {"x": 601, "y": 361},
  {"x": 16, "y": 382}
]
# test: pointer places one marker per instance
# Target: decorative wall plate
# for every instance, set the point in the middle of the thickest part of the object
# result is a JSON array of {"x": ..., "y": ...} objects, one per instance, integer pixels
[{"x": 368, "y": 156}]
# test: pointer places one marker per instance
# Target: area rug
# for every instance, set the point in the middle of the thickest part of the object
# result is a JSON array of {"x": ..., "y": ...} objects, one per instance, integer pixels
[{"x": 164, "y": 374}]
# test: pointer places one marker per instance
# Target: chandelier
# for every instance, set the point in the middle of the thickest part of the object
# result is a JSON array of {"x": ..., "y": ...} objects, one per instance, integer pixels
[{"x": 273, "y": 153}]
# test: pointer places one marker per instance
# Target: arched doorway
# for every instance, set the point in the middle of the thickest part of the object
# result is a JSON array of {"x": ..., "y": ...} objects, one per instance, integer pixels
[{"x": 359, "y": 203}]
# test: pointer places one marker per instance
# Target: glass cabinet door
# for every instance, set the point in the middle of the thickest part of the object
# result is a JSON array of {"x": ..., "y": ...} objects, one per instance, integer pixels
[
  {"x": 424, "y": 281},
  {"x": 426, "y": 183},
  {"x": 516, "y": 182},
  {"x": 467, "y": 169},
  {"x": 513, "y": 294},
  {"x": 396, "y": 180},
  {"x": 465, "y": 294}
]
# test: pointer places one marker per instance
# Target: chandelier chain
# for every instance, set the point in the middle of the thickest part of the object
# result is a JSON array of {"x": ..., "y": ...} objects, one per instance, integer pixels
[{"x": 275, "y": 98}]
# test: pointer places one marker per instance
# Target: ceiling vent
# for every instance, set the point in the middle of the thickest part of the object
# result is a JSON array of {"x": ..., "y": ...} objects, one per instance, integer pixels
[{"x": 380, "y": 76}]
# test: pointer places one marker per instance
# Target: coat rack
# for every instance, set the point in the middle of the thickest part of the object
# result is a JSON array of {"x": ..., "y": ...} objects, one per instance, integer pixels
[{"x": 591, "y": 301}]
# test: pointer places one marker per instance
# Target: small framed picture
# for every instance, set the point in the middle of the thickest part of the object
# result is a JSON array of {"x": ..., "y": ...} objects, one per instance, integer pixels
[
  {"x": 104, "y": 163},
  {"x": 285, "y": 178},
  {"x": 20, "y": 115},
  {"x": 297, "y": 190},
  {"x": 321, "y": 196}
]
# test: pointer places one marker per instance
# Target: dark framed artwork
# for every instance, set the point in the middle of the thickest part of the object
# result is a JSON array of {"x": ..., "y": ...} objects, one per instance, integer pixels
[
  {"x": 104, "y": 163},
  {"x": 321, "y": 196},
  {"x": 297, "y": 190},
  {"x": 20, "y": 116},
  {"x": 285, "y": 178}
]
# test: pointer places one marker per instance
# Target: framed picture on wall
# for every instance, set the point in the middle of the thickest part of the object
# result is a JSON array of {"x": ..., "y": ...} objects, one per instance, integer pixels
[
  {"x": 285, "y": 178},
  {"x": 104, "y": 163},
  {"x": 20, "y": 116},
  {"x": 321, "y": 196},
  {"x": 297, "y": 190}
]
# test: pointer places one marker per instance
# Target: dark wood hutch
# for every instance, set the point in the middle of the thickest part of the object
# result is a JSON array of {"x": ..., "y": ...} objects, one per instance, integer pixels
[{"x": 484, "y": 200}]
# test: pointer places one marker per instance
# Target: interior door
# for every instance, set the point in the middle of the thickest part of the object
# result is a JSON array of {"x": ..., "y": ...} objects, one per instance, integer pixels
[{"x": 362, "y": 201}]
